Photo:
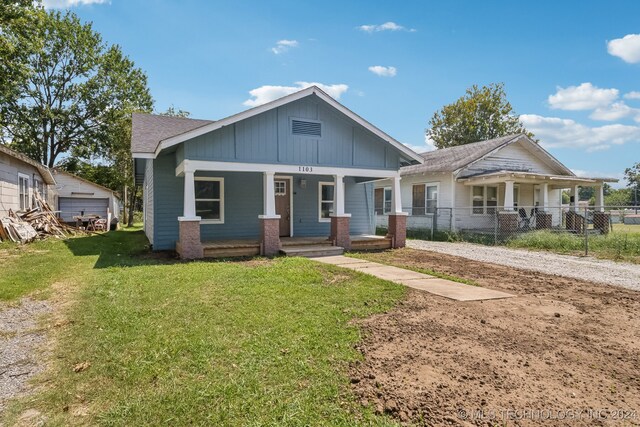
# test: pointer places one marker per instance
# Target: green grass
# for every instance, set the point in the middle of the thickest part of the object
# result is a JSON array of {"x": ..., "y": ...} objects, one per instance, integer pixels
[
  {"x": 618, "y": 245},
  {"x": 260, "y": 342}
]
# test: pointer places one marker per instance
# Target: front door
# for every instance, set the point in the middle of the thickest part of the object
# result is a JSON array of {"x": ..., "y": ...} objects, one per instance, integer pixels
[{"x": 283, "y": 205}]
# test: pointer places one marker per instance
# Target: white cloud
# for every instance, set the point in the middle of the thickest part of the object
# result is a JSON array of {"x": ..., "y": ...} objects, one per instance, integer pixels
[
  {"x": 268, "y": 93},
  {"x": 615, "y": 111},
  {"x": 599, "y": 174},
  {"x": 383, "y": 71},
  {"x": 632, "y": 95},
  {"x": 65, "y": 4},
  {"x": 627, "y": 48},
  {"x": 583, "y": 97},
  {"x": 430, "y": 145},
  {"x": 555, "y": 132},
  {"x": 284, "y": 45},
  {"x": 387, "y": 26}
]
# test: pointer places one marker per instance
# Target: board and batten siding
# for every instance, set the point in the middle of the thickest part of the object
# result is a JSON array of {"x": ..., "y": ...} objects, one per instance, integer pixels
[
  {"x": 148, "y": 190},
  {"x": 513, "y": 157},
  {"x": 267, "y": 138},
  {"x": 243, "y": 203},
  {"x": 9, "y": 193}
]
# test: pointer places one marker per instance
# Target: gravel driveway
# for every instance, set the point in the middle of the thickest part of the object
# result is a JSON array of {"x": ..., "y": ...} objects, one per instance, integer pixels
[{"x": 586, "y": 268}]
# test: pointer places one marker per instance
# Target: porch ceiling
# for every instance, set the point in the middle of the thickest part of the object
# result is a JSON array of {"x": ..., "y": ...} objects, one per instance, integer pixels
[{"x": 554, "y": 181}]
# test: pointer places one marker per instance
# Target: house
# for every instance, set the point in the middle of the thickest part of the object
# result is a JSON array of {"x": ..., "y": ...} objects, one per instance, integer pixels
[
  {"x": 296, "y": 170},
  {"x": 20, "y": 178},
  {"x": 498, "y": 182},
  {"x": 78, "y": 197}
]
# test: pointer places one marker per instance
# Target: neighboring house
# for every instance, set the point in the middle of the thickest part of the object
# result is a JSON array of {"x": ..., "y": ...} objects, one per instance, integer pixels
[
  {"x": 78, "y": 197},
  {"x": 467, "y": 187},
  {"x": 20, "y": 178},
  {"x": 301, "y": 166}
]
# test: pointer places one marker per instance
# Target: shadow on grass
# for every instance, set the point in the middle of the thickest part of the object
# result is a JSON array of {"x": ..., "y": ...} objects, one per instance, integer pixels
[{"x": 127, "y": 248}]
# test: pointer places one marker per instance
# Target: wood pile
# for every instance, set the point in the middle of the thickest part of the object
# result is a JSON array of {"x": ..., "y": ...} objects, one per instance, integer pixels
[{"x": 39, "y": 222}]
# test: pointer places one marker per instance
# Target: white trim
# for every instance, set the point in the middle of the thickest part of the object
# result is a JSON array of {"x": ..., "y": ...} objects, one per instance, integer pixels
[
  {"x": 216, "y": 166},
  {"x": 221, "y": 200},
  {"x": 136, "y": 155},
  {"x": 396, "y": 196},
  {"x": 169, "y": 142},
  {"x": 191, "y": 218},
  {"x": 290, "y": 178},
  {"x": 320, "y": 201},
  {"x": 28, "y": 195},
  {"x": 269, "y": 216},
  {"x": 427, "y": 184},
  {"x": 484, "y": 199}
]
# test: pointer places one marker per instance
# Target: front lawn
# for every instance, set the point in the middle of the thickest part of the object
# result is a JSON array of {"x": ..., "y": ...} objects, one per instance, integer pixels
[{"x": 257, "y": 342}]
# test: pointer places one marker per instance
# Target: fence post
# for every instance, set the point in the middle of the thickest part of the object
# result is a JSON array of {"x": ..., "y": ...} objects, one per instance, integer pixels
[
  {"x": 586, "y": 230},
  {"x": 495, "y": 228},
  {"x": 433, "y": 222}
]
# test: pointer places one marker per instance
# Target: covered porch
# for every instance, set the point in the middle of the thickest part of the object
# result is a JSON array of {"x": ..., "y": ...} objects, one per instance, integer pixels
[
  {"x": 244, "y": 209},
  {"x": 526, "y": 200}
]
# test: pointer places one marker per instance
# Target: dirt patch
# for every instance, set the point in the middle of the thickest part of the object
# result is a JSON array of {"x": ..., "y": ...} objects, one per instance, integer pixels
[{"x": 564, "y": 352}]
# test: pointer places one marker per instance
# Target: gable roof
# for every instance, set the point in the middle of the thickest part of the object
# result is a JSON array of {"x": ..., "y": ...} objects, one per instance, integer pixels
[
  {"x": 86, "y": 181},
  {"x": 149, "y": 129},
  {"x": 138, "y": 140},
  {"x": 44, "y": 171},
  {"x": 453, "y": 159}
]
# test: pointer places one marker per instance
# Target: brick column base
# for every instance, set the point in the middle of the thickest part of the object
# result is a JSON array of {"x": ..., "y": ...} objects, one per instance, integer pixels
[
  {"x": 601, "y": 222},
  {"x": 340, "y": 231},
  {"x": 508, "y": 221},
  {"x": 189, "y": 245},
  {"x": 269, "y": 236},
  {"x": 397, "y": 230},
  {"x": 543, "y": 220}
]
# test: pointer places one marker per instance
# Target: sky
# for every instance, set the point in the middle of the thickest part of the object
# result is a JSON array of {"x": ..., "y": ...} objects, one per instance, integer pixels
[{"x": 571, "y": 69}]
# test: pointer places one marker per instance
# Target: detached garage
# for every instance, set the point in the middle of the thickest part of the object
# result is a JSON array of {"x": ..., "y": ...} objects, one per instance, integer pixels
[{"x": 79, "y": 197}]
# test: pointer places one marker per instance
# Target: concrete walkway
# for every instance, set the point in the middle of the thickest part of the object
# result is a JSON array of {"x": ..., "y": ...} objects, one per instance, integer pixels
[{"x": 441, "y": 287}]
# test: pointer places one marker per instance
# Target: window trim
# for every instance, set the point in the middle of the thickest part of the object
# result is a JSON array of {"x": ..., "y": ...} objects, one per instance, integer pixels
[
  {"x": 27, "y": 196},
  {"x": 221, "y": 200},
  {"x": 320, "y": 201},
  {"x": 426, "y": 185},
  {"x": 484, "y": 199}
]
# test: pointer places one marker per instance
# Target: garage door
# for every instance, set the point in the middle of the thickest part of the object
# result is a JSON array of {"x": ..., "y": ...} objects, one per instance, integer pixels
[{"x": 72, "y": 206}]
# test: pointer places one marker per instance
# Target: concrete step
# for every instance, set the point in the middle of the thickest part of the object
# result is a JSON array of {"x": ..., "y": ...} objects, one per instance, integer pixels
[{"x": 312, "y": 251}]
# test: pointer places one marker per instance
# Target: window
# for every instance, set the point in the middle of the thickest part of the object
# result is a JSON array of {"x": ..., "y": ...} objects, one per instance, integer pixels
[
  {"x": 516, "y": 197},
  {"x": 484, "y": 199},
  {"x": 425, "y": 199},
  {"x": 326, "y": 201},
  {"x": 210, "y": 199},
  {"x": 382, "y": 202},
  {"x": 280, "y": 188},
  {"x": 23, "y": 192}
]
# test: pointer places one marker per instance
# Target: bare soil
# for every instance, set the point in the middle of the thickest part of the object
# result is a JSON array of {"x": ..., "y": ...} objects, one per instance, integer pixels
[{"x": 564, "y": 352}]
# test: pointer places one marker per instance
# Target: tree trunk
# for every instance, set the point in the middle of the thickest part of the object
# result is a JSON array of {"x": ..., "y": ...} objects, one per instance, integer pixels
[
  {"x": 132, "y": 206},
  {"x": 125, "y": 205}
]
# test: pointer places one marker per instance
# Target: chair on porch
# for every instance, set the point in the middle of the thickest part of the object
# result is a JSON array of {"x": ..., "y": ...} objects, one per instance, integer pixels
[{"x": 525, "y": 222}]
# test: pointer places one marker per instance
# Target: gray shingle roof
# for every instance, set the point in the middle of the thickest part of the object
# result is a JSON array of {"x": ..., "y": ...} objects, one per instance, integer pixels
[
  {"x": 454, "y": 158},
  {"x": 149, "y": 129}
]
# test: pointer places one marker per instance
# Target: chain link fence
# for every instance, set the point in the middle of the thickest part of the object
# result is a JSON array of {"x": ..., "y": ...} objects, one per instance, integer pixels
[{"x": 564, "y": 228}]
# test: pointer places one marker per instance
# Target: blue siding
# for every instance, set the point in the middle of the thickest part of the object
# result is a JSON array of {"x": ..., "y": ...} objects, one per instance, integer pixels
[
  {"x": 267, "y": 138},
  {"x": 243, "y": 203}
]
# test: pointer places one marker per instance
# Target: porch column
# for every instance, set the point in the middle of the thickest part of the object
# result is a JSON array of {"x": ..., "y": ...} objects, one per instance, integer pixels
[
  {"x": 575, "y": 194},
  {"x": 189, "y": 245},
  {"x": 397, "y": 218},
  {"x": 269, "y": 221},
  {"x": 545, "y": 196},
  {"x": 600, "y": 198},
  {"x": 339, "y": 219},
  {"x": 508, "y": 195}
]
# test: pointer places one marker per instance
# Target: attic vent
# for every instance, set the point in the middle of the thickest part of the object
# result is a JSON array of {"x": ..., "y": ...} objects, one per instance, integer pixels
[{"x": 306, "y": 128}]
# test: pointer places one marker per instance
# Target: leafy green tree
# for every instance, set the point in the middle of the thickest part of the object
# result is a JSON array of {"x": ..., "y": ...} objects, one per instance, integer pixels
[
  {"x": 79, "y": 94},
  {"x": 482, "y": 113},
  {"x": 632, "y": 176},
  {"x": 171, "y": 111},
  {"x": 619, "y": 197}
]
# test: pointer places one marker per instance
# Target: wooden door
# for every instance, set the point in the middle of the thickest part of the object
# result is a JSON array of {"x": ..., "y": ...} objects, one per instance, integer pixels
[{"x": 283, "y": 205}]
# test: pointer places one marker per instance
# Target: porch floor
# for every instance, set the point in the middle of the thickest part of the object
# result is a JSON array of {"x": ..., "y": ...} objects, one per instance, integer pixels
[{"x": 251, "y": 247}]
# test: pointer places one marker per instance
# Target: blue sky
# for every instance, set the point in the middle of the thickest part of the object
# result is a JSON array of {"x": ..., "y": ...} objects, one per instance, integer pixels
[{"x": 571, "y": 69}]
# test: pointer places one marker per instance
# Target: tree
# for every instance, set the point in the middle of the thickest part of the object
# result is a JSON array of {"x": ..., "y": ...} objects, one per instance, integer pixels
[
  {"x": 482, "y": 113},
  {"x": 618, "y": 197},
  {"x": 171, "y": 111},
  {"x": 79, "y": 94},
  {"x": 632, "y": 175}
]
